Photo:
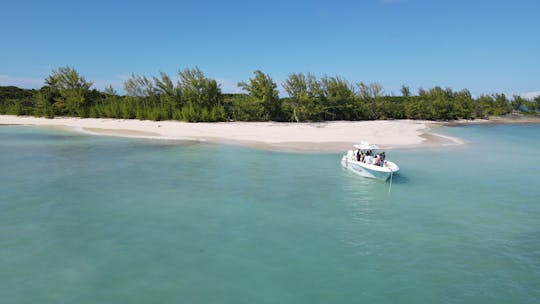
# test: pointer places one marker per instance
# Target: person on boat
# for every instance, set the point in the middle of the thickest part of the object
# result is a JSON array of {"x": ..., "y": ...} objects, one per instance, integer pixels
[
  {"x": 377, "y": 160},
  {"x": 382, "y": 157},
  {"x": 362, "y": 156},
  {"x": 369, "y": 159},
  {"x": 358, "y": 155}
]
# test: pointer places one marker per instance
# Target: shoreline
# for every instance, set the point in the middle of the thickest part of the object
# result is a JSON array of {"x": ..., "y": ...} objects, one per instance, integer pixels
[
  {"x": 326, "y": 137},
  {"x": 495, "y": 120}
]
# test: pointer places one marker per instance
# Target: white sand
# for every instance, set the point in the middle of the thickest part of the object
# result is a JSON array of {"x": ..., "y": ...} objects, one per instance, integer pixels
[{"x": 327, "y": 136}]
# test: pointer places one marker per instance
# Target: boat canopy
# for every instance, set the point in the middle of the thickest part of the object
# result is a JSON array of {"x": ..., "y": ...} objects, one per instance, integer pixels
[{"x": 364, "y": 145}]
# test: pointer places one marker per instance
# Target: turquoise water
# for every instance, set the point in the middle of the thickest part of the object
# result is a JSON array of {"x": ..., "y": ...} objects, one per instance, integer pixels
[{"x": 88, "y": 219}]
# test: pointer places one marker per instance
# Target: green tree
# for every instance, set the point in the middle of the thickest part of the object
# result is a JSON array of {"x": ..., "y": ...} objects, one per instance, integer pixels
[
  {"x": 243, "y": 107},
  {"x": 464, "y": 106},
  {"x": 170, "y": 97},
  {"x": 337, "y": 98},
  {"x": 517, "y": 102},
  {"x": 109, "y": 104},
  {"x": 372, "y": 101},
  {"x": 264, "y": 89},
  {"x": 139, "y": 86},
  {"x": 73, "y": 90},
  {"x": 45, "y": 99},
  {"x": 485, "y": 104},
  {"x": 405, "y": 92},
  {"x": 501, "y": 105},
  {"x": 306, "y": 97},
  {"x": 296, "y": 86},
  {"x": 196, "y": 88}
]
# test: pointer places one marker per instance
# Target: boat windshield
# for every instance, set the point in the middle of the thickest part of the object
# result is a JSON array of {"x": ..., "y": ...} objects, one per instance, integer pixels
[{"x": 366, "y": 146}]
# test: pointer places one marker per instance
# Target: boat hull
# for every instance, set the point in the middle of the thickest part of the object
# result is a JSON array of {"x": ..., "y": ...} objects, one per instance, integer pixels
[{"x": 369, "y": 171}]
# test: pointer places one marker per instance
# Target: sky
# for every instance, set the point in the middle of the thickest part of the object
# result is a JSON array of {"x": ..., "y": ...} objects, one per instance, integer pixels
[{"x": 484, "y": 46}]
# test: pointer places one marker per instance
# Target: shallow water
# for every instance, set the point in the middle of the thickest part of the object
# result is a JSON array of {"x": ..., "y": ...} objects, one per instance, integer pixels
[{"x": 88, "y": 219}]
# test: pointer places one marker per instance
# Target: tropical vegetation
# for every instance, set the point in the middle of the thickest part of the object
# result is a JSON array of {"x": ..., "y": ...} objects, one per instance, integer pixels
[{"x": 194, "y": 97}]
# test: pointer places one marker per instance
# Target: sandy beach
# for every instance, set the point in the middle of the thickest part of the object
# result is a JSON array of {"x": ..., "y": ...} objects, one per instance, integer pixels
[{"x": 325, "y": 136}]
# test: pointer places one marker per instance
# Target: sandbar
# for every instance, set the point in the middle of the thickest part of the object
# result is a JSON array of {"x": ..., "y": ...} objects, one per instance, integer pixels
[{"x": 335, "y": 136}]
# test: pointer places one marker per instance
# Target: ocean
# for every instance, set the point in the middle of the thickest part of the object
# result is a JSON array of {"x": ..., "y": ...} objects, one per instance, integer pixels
[{"x": 94, "y": 219}]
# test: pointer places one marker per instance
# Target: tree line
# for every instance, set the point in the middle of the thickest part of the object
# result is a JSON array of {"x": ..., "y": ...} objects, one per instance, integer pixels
[{"x": 194, "y": 97}]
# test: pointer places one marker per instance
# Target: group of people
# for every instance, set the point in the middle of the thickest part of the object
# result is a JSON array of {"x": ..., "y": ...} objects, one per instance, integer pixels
[{"x": 368, "y": 157}]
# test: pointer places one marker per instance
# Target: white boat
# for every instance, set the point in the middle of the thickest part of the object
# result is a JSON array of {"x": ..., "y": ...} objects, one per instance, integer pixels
[{"x": 364, "y": 166}]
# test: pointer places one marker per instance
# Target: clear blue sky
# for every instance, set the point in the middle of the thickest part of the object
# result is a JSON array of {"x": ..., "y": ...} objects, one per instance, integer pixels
[{"x": 486, "y": 46}]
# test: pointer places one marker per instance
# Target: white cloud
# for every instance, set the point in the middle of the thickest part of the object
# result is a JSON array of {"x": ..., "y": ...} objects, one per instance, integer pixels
[
  {"x": 22, "y": 82},
  {"x": 530, "y": 95}
]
